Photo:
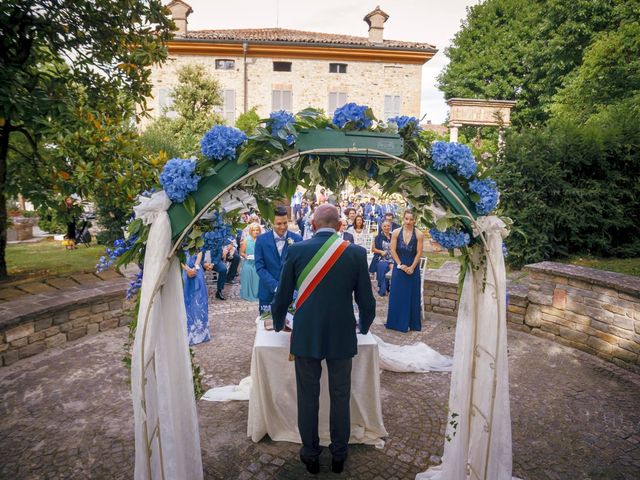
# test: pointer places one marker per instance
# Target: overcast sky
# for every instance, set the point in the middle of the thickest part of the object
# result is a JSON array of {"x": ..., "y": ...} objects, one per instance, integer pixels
[{"x": 430, "y": 21}]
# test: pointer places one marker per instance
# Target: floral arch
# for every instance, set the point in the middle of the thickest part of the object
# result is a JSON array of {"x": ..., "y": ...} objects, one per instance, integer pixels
[{"x": 309, "y": 148}]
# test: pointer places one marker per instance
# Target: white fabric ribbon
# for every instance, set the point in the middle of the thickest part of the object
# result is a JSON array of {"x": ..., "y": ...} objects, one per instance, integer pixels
[
  {"x": 148, "y": 208},
  {"x": 166, "y": 423},
  {"x": 479, "y": 446}
]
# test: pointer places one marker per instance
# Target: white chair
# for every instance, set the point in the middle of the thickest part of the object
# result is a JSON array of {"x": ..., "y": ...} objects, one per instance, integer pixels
[
  {"x": 423, "y": 268},
  {"x": 367, "y": 226}
]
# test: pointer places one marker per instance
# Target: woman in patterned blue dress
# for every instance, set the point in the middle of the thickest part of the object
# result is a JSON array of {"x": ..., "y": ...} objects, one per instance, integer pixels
[
  {"x": 196, "y": 300},
  {"x": 404, "y": 313}
]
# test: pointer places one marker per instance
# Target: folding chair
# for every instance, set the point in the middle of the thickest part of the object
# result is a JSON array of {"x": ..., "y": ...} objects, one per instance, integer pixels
[{"x": 423, "y": 268}]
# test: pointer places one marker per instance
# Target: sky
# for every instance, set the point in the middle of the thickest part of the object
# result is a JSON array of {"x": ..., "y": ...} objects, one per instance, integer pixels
[{"x": 429, "y": 21}]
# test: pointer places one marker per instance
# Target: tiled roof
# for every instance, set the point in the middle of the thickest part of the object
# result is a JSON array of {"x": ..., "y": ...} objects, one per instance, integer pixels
[{"x": 277, "y": 35}]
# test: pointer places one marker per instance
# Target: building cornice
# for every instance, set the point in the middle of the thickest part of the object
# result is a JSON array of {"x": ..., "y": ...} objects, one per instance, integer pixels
[{"x": 301, "y": 50}]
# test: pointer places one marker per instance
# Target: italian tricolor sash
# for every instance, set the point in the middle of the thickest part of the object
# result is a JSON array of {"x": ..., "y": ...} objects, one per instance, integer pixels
[{"x": 319, "y": 266}]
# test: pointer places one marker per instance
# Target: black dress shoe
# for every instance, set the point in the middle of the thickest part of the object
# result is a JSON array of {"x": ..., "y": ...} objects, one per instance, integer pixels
[
  {"x": 337, "y": 466},
  {"x": 313, "y": 466},
  {"x": 220, "y": 295}
]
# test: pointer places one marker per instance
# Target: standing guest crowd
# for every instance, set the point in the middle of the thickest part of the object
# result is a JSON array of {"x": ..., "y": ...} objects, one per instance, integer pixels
[{"x": 257, "y": 253}]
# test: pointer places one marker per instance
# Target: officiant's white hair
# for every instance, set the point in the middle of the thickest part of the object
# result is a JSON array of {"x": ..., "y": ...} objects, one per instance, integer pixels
[{"x": 326, "y": 215}]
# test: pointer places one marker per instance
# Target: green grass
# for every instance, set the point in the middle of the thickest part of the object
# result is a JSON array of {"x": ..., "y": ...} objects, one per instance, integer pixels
[
  {"x": 50, "y": 258},
  {"x": 628, "y": 266},
  {"x": 436, "y": 260}
]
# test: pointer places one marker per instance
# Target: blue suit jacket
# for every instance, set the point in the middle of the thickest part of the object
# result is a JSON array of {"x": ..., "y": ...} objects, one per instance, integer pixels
[
  {"x": 269, "y": 263},
  {"x": 324, "y": 326},
  {"x": 348, "y": 236},
  {"x": 373, "y": 213}
]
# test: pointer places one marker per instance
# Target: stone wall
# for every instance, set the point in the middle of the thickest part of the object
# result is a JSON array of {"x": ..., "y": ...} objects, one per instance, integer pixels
[
  {"x": 309, "y": 81},
  {"x": 32, "y": 326},
  {"x": 440, "y": 291},
  {"x": 591, "y": 310}
]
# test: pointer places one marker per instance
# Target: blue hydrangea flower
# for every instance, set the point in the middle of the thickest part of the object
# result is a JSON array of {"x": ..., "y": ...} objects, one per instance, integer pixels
[
  {"x": 354, "y": 114},
  {"x": 456, "y": 156},
  {"x": 219, "y": 236},
  {"x": 178, "y": 179},
  {"x": 282, "y": 123},
  {"x": 120, "y": 247},
  {"x": 222, "y": 142},
  {"x": 451, "y": 238},
  {"x": 134, "y": 285},
  {"x": 505, "y": 252},
  {"x": 489, "y": 195},
  {"x": 148, "y": 193},
  {"x": 404, "y": 121}
]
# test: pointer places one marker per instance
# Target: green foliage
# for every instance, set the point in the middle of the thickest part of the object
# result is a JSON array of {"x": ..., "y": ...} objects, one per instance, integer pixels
[
  {"x": 523, "y": 51},
  {"x": 248, "y": 121},
  {"x": 195, "y": 99},
  {"x": 573, "y": 188},
  {"x": 609, "y": 74},
  {"x": 67, "y": 69}
]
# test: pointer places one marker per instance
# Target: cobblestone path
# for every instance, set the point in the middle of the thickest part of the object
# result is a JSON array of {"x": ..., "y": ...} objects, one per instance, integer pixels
[{"x": 67, "y": 412}]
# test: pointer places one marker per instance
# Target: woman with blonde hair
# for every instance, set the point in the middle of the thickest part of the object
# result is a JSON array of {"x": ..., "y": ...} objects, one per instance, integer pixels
[{"x": 249, "y": 279}]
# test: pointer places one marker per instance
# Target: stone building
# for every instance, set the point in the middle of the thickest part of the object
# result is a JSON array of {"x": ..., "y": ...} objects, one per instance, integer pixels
[{"x": 276, "y": 68}]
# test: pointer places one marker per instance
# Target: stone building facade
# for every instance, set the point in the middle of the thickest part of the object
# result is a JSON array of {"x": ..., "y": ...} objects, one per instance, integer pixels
[{"x": 280, "y": 69}]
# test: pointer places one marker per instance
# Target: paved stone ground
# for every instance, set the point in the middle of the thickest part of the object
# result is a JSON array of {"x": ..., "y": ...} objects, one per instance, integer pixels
[{"x": 67, "y": 412}]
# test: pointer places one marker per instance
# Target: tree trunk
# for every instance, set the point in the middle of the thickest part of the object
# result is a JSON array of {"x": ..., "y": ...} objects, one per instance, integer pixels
[{"x": 4, "y": 152}]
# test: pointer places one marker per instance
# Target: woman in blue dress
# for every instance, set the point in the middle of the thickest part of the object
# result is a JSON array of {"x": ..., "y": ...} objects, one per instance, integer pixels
[
  {"x": 249, "y": 279},
  {"x": 404, "y": 300},
  {"x": 382, "y": 261},
  {"x": 196, "y": 300}
]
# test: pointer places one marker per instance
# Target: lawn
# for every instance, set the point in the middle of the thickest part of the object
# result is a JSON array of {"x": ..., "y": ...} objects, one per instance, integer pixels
[
  {"x": 628, "y": 266},
  {"x": 49, "y": 258}
]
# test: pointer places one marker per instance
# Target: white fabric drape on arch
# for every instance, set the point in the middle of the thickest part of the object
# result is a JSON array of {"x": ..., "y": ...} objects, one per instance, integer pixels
[
  {"x": 168, "y": 415},
  {"x": 480, "y": 445}
]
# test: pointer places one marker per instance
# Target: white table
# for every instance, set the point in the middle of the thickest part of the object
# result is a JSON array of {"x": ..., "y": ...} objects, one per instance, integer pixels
[{"x": 273, "y": 404}]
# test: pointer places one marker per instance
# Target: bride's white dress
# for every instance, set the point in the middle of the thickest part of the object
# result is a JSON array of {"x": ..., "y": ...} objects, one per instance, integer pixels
[{"x": 418, "y": 357}]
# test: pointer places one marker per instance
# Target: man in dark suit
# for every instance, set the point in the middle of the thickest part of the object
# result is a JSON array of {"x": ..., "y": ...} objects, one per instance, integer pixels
[
  {"x": 343, "y": 231},
  {"x": 324, "y": 328},
  {"x": 373, "y": 211},
  {"x": 270, "y": 253}
]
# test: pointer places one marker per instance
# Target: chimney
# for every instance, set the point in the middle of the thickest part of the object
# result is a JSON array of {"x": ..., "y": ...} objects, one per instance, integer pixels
[
  {"x": 179, "y": 13},
  {"x": 375, "y": 19}
]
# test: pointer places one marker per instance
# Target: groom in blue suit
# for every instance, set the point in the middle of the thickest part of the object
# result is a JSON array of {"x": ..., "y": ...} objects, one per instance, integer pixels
[
  {"x": 324, "y": 328},
  {"x": 270, "y": 253}
]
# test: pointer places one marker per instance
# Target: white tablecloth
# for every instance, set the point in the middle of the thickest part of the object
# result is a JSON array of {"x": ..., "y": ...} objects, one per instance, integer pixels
[{"x": 273, "y": 405}]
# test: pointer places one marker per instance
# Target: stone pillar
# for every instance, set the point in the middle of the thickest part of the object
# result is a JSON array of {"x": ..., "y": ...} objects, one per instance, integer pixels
[{"x": 453, "y": 133}]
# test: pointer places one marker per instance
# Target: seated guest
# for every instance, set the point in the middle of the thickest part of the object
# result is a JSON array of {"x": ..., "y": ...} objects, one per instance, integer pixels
[
  {"x": 373, "y": 211},
  {"x": 382, "y": 261},
  {"x": 230, "y": 256},
  {"x": 304, "y": 209},
  {"x": 358, "y": 231},
  {"x": 249, "y": 280},
  {"x": 343, "y": 231},
  {"x": 350, "y": 213},
  {"x": 388, "y": 217},
  {"x": 217, "y": 264},
  {"x": 270, "y": 254}
]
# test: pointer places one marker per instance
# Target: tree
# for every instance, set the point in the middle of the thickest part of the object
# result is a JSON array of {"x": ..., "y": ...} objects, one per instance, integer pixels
[
  {"x": 609, "y": 75},
  {"x": 195, "y": 100},
  {"x": 523, "y": 51},
  {"x": 66, "y": 64}
]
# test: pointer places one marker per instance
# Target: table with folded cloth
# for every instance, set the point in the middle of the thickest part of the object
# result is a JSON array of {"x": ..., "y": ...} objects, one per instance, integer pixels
[{"x": 272, "y": 401}]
